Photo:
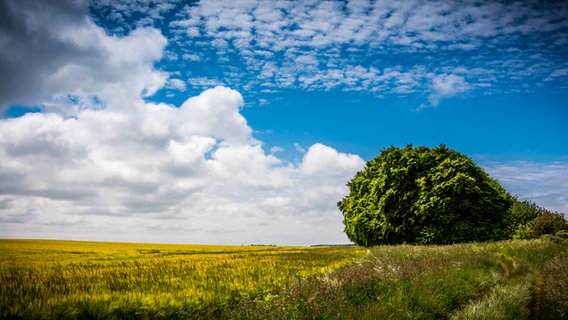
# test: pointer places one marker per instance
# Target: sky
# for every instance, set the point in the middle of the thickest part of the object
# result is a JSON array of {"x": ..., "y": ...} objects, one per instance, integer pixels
[{"x": 240, "y": 122}]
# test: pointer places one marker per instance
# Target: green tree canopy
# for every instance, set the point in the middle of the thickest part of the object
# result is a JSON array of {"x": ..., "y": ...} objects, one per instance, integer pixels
[{"x": 423, "y": 195}]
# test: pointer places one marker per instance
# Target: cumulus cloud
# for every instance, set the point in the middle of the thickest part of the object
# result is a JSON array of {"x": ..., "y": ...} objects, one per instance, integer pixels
[
  {"x": 67, "y": 53},
  {"x": 321, "y": 159},
  {"x": 154, "y": 172}
]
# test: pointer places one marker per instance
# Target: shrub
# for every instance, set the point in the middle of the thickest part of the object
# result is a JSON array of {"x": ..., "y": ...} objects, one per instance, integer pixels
[
  {"x": 521, "y": 214},
  {"x": 547, "y": 223}
]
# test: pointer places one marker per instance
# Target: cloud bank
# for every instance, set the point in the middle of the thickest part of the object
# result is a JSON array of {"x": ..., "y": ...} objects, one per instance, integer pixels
[{"x": 154, "y": 172}]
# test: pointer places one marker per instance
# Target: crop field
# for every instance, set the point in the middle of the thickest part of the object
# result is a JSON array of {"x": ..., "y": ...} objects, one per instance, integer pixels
[
  {"x": 72, "y": 279},
  {"x": 517, "y": 279}
]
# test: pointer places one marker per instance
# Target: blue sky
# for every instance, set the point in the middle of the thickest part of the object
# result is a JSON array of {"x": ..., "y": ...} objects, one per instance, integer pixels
[{"x": 241, "y": 121}]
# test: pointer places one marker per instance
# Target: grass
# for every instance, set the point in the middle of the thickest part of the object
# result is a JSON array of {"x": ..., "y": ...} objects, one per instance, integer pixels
[
  {"x": 504, "y": 280},
  {"x": 518, "y": 279}
]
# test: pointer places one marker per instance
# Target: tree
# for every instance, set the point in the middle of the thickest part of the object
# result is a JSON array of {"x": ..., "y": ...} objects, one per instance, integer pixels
[{"x": 423, "y": 195}]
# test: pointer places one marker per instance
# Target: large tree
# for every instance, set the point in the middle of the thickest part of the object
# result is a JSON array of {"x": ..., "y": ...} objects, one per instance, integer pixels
[{"x": 423, "y": 195}]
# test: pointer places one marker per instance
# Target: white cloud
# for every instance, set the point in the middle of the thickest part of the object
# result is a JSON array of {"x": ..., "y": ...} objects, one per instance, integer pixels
[
  {"x": 558, "y": 73},
  {"x": 204, "y": 82},
  {"x": 68, "y": 54},
  {"x": 446, "y": 86},
  {"x": 154, "y": 172},
  {"x": 176, "y": 84},
  {"x": 191, "y": 57},
  {"x": 276, "y": 149},
  {"x": 308, "y": 40},
  {"x": 215, "y": 113},
  {"x": 544, "y": 183},
  {"x": 299, "y": 148},
  {"x": 321, "y": 159}
]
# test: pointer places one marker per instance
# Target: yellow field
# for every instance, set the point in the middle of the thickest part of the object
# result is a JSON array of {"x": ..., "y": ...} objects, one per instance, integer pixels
[{"x": 75, "y": 279}]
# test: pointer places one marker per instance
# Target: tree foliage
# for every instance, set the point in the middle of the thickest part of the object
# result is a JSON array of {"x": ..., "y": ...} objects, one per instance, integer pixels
[{"x": 423, "y": 195}]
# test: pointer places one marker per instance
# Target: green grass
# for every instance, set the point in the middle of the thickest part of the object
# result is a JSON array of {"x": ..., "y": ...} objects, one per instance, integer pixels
[
  {"x": 504, "y": 280},
  {"x": 518, "y": 279}
]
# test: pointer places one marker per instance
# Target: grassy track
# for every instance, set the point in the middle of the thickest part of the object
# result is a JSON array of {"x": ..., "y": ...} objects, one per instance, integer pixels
[
  {"x": 79, "y": 280},
  {"x": 506, "y": 280}
]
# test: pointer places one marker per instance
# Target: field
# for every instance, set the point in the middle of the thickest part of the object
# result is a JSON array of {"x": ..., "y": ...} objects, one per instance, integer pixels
[
  {"x": 69, "y": 279},
  {"x": 89, "y": 280}
]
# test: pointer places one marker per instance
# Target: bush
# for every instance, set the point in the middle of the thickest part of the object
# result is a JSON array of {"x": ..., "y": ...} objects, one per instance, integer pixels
[
  {"x": 520, "y": 215},
  {"x": 522, "y": 232},
  {"x": 547, "y": 223}
]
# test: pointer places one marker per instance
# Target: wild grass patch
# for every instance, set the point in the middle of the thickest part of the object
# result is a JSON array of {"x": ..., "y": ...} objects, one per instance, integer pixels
[{"x": 465, "y": 281}]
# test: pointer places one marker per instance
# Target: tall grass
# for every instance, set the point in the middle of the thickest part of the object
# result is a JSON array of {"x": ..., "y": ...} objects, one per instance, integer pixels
[
  {"x": 404, "y": 282},
  {"x": 554, "y": 289},
  {"x": 466, "y": 281}
]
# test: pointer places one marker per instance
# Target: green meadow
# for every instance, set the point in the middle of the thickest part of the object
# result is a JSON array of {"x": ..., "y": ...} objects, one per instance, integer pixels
[{"x": 516, "y": 279}]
